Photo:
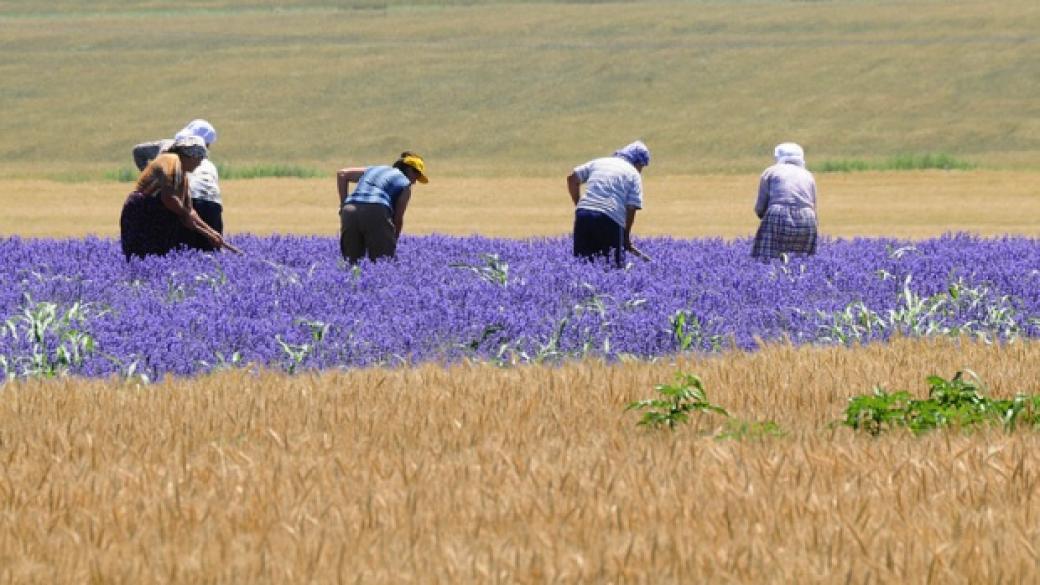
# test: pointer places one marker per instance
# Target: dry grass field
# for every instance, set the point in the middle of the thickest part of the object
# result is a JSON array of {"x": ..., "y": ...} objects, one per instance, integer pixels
[
  {"x": 531, "y": 475},
  {"x": 915, "y": 204}
]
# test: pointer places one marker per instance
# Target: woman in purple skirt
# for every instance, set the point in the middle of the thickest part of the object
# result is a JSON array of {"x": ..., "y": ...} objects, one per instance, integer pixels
[{"x": 159, "y": 209}]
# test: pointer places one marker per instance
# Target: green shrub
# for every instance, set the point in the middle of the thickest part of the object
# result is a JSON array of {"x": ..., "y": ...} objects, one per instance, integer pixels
[
  {"x": 678, "y": 400},
  {"x": 955, "y": 403}
]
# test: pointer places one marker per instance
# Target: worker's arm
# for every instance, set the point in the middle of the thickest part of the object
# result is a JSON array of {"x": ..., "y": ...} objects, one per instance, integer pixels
[
  {"x": 344, "y": 177},
  {"x": 630, "y": 218},
  {"x": 190, "y": 218},
  {"x": 762, "y": 203},
  {"x": 574, "y": 187},
  {"x": 399, "y": 209}
]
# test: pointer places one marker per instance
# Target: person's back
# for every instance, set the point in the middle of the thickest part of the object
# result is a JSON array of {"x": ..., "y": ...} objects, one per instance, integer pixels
[
  {"x": 380, "y": 184},
  {"x": 611, "y": 185},
  {"x": 604, "y": 214},
  {"x": 372, "y": 216},
  {"x": 786, "y": 205},
  {"x": 786, "y": 184}
]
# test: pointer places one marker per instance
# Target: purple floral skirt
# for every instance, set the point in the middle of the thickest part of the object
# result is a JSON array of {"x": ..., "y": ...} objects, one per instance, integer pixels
[{"x": 146, "y": 227}]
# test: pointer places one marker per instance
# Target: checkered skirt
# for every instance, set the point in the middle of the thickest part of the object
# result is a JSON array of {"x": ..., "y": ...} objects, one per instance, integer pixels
[{"x": 785, "y": 230}]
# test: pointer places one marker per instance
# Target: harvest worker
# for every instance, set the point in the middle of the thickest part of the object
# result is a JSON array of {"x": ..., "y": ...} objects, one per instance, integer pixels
[
  {"x": 202, "y": 182},
  {"x": 604, "y": 215},
  {"x": 786, "y": 205},
  {"x": 158, "y": 213},
  {"x": 371, "y": 218}
]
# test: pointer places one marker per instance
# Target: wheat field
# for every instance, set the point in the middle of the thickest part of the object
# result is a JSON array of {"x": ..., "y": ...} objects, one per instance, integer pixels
[
  {"x": 915, "y": 204},
  {"x": 529, "y": 475}
]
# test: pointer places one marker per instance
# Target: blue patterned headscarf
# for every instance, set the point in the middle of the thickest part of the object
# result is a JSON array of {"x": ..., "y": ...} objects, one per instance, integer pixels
[
  {"x": 200, "y": 128},
  {"x": 636, "y": 153}
]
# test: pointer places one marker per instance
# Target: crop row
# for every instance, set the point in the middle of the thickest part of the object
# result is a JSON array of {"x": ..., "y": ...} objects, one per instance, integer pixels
[{"x": 74, "y": 306}]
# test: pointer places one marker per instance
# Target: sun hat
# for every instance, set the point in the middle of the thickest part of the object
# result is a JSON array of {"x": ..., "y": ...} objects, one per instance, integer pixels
[
  {"x": 200, "y": 128},
  {"x": 636, "y": 153},
  {"x": 416, "y": 162},
  {"x": 190, "y": 146},
  {"x": 789, "y": 152}
]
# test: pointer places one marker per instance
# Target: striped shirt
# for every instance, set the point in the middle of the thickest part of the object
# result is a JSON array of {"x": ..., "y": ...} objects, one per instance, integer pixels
[
  {"x": 612, "y": 184},
  {"x": 379, "y": 184}
]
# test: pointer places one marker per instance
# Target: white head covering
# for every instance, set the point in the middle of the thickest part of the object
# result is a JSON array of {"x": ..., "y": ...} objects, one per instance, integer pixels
[
  {"x": 200, "y": 128},
  {"x": 190, "y": 146},
  {"x": 789, "y": 152}
]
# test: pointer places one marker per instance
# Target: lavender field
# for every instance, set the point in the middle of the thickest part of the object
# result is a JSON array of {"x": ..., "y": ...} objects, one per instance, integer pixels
[{"x": 76, "y": 307}]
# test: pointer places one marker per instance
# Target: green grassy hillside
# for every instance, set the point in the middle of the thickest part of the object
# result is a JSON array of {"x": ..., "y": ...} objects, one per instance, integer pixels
[{"x": 519, "y": 89}]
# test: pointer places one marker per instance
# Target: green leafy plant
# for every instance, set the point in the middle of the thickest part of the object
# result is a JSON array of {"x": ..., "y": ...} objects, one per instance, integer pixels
[
  {"x": 494, "y": 270},
  {"x": 55, "y": 337},
  {"x": 957, "y": 402},
  {"x": 688, "y": 332},
  {"x": 738, "y": 430},
  {"x": 296, "y": 353},
  {"x": 474, "y": 344},
  {"x": 676, "y": 403},
  {"x": 962, "y": 309}
]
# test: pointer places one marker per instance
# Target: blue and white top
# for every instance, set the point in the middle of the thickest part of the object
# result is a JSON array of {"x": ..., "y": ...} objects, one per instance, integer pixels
[
  {"x": 611, "y": 185},
  {"x": 379, "y": 184}
]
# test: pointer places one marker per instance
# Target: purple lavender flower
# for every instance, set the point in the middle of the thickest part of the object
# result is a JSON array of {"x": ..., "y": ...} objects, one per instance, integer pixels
[{"x": 291, "y": 302}]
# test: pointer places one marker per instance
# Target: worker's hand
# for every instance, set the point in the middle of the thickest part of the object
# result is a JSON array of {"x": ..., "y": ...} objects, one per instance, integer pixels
[
  {"x": 215, "y": 239},
  {"x": 636, "y": 252}
]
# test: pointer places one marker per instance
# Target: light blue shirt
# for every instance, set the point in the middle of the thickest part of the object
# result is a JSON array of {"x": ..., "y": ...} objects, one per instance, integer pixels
[
  {"x": 379, "y": 184},
  {"x": 612, "y": 184}
]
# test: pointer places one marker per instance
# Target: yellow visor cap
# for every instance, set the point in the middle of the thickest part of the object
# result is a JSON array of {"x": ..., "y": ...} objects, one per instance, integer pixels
[{"x": 417, "y": 164}]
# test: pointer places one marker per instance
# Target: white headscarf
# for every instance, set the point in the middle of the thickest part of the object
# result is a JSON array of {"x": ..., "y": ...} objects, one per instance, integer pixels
[
  {"x": 200, "y": 128},
  {"x": 789, "y": 152},
  {"x": 189, "y": 146}
]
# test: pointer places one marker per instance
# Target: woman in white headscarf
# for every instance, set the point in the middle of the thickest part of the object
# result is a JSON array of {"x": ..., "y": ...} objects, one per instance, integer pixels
[{"x": 786, "y": 205}]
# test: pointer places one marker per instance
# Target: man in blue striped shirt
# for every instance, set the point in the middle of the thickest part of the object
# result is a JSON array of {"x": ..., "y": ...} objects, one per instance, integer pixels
[
  {"x": 372, "y": 217},
  {"x": 604, "y": 215}
]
